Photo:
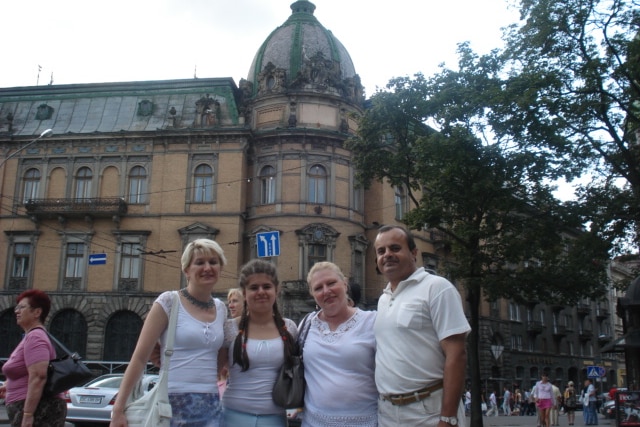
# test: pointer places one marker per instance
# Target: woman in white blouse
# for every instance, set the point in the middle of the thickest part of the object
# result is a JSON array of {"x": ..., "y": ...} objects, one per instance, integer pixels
[
  {"x": 259, "y": 342},
  {"x": 339, "y": 355}
]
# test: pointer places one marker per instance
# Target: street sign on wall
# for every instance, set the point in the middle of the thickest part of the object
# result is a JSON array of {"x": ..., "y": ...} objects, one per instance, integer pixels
[
  {"x": 268, "y": 243},
  {"x": 97, "y": 259}
]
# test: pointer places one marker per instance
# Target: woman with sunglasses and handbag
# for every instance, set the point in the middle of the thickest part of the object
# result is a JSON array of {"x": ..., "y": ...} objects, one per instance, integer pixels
[
  {"x": 193, "y": 372},
  {"x": 26, "y": 368},
  {"x": 259, "y": 341}
]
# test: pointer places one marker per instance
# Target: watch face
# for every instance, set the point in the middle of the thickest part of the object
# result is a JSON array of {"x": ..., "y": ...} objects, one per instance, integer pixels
[{"x": 450, "y": 420}]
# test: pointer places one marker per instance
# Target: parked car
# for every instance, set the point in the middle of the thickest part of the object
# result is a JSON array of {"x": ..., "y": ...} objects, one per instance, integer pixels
[
  {"x": 609, "y": 409},
  {"x": 92, "y": 403}
]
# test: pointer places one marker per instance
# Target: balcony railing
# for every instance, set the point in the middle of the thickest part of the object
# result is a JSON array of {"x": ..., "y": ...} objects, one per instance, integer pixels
[
  {"x": 585, "y": 334},
  {"x": 107, "y": 207},
  {"x": 583, "y": 308},
  {"x": 602, "y": 312},
  {"x": 534, "y": 326},
  {"x": 560, "y": 330}
]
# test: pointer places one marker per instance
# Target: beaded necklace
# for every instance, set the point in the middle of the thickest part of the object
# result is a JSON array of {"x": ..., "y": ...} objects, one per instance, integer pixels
[{"x": 193, "y": 300}]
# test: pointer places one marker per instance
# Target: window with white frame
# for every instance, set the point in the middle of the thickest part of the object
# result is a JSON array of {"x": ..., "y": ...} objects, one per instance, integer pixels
[
  {"x": 137, "y": 185},
  {"x": 130, "y": 266},
  {"x": 21, "y": 260},
  {"x": 516, "y": 342},
  {"x": 31, "y": 185},
  {"x": 74, "y": 260},
  {"x": 400, "y": 201},
  {"x": 84, "y": 178},
  {"x": 267, "y": 185},
  {"x": 514, "y": 312},
  {"x": 317, "y": 178},
  {"x": 203, "y": 184}
]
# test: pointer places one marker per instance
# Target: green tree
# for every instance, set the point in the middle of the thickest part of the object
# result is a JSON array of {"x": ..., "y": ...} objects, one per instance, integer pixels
[
  {"x": 572, "y": 88},
  {"x": 504, "y": 233}
]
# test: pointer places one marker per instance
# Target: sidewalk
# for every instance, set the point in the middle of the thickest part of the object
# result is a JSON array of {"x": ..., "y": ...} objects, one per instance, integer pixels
[{"x": 530, "y": 421}]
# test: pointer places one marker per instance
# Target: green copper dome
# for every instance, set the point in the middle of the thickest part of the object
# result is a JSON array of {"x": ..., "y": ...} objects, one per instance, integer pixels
[{"x": 302, "y": 40}]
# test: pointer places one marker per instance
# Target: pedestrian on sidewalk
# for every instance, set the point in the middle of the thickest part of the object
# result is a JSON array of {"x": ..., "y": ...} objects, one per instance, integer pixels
[
  {"x": 543, "y": 395},
  {"x": 506, "y": 402},
  {"x": 493, "y": 405}
]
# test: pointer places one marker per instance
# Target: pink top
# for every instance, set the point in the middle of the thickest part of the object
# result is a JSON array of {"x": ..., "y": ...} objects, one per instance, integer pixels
[{"x": 35, "y": 347}]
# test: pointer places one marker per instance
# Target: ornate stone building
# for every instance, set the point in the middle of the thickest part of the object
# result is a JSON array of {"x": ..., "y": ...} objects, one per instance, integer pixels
[{"x": 98, "y": 213}]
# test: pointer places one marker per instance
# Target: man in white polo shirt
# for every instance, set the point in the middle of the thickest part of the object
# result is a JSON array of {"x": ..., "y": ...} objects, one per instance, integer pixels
[{"x": 420, "y": 332}]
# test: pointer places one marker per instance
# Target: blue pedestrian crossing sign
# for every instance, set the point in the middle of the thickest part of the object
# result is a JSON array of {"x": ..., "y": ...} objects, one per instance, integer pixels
[
  {"x": 595, "y": 371},
  {"x": 268, "y": 243}
]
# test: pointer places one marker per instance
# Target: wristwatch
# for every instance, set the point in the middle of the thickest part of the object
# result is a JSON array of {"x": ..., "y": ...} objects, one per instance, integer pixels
[{"x": 449, "y": 420}]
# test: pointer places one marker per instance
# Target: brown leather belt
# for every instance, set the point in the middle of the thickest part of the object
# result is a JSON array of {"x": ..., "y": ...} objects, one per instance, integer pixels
[{"x": 416, "y": 396}]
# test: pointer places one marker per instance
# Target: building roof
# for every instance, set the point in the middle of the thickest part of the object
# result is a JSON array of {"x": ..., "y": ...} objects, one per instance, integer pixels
[
  {"x": 117, "y": 107},
  {"x": 302, "y": 37}
]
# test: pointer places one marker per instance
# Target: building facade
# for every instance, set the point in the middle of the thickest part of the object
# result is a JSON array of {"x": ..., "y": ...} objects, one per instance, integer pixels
[{"x": 98, "y": 213}]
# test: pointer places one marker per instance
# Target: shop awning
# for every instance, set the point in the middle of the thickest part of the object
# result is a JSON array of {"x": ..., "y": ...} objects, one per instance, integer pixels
[{"x": 629, "y": 340}]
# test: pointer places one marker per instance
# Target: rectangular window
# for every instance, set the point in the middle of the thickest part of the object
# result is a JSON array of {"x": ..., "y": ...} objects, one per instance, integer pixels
[
  {"x": 130, "y": 261},
  {"x": 31, "y": 189},
  {"x": 137, "y": 190},
  {"x": 514, "y": 312},
  {"x": 317, "y": 253},
  {"x": 21, "y": 255},
  {"x": 358, "y": 267},
  {"x": 203, "y": 192},
  {"x": 75, "y": 258}
]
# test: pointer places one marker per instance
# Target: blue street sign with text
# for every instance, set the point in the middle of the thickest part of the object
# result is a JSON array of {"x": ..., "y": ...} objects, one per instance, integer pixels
[{"x": 268, "y": 243}]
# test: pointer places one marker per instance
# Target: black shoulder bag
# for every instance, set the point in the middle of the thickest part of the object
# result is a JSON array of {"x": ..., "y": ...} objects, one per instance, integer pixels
[
  {"x": 288, "y": 390},
  {"x": 65, "y": 371}
]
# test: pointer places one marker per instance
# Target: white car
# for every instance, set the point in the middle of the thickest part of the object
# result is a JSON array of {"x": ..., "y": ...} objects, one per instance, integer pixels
[{"x": 92, "y": 403}]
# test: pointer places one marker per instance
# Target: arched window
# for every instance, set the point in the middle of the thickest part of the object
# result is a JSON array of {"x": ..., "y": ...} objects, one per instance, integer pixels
[
  {"x": 203, "y": 184},
  {"x": 267, "y": 185},
  {"x": 31, "y": 185},
  {"x": 10, "y": 332},
  {"x": 317, "y": 184},
  {"x": 121, "y": 335},
  {"x": 83, "y": 183},
  {"x": 70, "y": 328},
  {"x": 137, "y": 185}
]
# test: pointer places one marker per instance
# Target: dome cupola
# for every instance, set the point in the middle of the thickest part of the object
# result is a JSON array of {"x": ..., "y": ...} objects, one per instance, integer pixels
[{"x": 303, "y": 56}]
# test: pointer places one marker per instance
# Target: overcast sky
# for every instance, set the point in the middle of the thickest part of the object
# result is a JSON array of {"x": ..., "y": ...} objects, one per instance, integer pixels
[{"x": 89, "y": 41}]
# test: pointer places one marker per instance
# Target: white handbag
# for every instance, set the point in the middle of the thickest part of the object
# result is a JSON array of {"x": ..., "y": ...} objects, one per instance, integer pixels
[{"x": 153, "y": 409}]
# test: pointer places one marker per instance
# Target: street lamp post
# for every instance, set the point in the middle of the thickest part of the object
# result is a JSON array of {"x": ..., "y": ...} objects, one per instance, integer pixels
[{"x": 45, "y": 133}]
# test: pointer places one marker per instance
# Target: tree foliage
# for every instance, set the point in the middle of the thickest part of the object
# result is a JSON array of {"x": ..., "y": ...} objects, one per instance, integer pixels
[
  {"x": 573, "y": 88},
  {"x": 560, "y": 100}
]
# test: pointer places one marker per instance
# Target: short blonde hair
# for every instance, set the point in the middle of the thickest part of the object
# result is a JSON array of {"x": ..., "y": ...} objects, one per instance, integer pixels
[
  {"x": 202, "y": 247},
  {"x": 325, "y": 265},
  {"x": 234, "y": 292}
]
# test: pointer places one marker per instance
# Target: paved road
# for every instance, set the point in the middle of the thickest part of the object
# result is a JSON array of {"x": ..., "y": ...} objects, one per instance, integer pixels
[
  {"x": 531, "y": 421},
  {"x": 501, "y": 421}
]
